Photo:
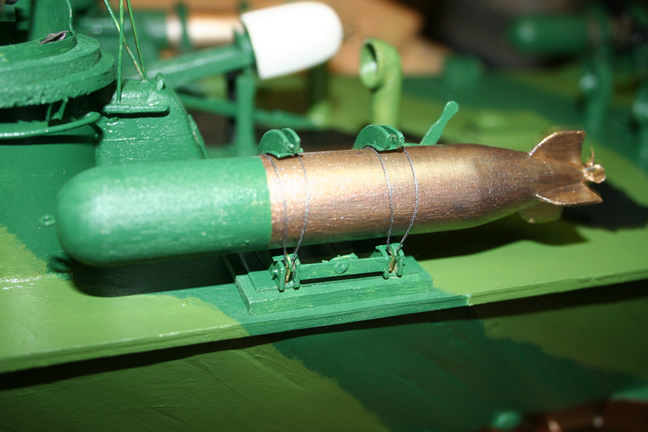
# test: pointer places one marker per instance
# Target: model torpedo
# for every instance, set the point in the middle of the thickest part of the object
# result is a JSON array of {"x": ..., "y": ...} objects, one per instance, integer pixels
[{"x": 120, "y": 214}]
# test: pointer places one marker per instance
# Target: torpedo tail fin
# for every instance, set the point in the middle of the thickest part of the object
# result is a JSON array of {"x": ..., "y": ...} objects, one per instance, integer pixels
[
  {"x": 571, "y": 195},
  {"x": 565, "y": 147}
]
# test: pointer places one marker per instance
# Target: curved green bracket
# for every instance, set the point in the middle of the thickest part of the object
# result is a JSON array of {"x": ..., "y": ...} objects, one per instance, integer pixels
[
  {"x": 280, "y": 143},
  {"x": 434, "y": 133},
  {"x": 44, "y": 129},
  {"x": 381, "y": 72},
  {"x": 380, "y": 137}
]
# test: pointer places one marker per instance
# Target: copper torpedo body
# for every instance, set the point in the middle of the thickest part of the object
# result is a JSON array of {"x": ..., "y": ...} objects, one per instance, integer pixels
[{"x": 351, "y": 195}]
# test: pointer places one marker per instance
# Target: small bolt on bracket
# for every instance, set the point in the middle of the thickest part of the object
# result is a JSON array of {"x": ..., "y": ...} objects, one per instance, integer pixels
[{"x": 54, "y": 37}]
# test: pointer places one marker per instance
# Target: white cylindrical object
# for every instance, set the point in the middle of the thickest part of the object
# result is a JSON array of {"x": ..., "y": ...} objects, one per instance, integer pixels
[
  {"x": 292, "y": 37},
  {"x": 206, "y": 30}
]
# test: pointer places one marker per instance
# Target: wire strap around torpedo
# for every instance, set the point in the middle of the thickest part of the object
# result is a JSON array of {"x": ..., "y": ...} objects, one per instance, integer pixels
[
  {"x": 416, "y": 202},
  {"x": 306, "y": 210},
  {"x": 285, "y": 207},
  {"x": 391, "y": 201},
  {"x": 290, "y": 262}
]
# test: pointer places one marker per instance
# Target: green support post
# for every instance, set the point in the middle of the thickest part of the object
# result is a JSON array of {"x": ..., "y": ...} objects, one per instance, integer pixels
[
  {"x": 318, "y": 95},
  {"x": 245, "y": 140}
]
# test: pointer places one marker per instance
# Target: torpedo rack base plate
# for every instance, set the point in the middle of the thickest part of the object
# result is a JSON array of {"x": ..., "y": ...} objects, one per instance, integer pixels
[{"x": 261, "y": 296}]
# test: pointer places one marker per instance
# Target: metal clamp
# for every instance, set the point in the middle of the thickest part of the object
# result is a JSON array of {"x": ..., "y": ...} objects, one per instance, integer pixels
[
  {"x": 280, "y": 143},
  {"x": 379, "y": 137}
]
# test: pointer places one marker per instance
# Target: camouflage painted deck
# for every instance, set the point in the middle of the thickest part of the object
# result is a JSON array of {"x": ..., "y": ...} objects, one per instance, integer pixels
[{"x": 192, "y": 357}]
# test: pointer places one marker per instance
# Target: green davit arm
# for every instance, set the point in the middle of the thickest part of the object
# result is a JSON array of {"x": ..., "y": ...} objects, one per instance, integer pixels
[{"x": 381, "y": 72}]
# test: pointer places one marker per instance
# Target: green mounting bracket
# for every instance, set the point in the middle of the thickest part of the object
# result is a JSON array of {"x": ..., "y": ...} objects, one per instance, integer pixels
[
  {"x": 343, "y": 279},
  {"x": 384, "y": 138},
  {"x": 343, "y": 265},
  {"x": 140, "y": 98},
  {"x": 436, "y": 130},
  {"x": 380, "y": 137},
  {"x": 280, "y": 143}
]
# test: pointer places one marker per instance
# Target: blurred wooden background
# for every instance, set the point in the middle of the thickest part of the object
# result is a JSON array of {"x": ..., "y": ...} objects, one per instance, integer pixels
[{"x": 388, "y": 20}]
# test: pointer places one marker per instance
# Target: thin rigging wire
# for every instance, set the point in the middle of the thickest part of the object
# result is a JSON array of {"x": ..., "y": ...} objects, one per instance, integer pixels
[
  {"x": 416, "y": 203},
  {"x": 391, "y": 201},
  {"x": 285, "y": 207},
  {"x": 128, "y": 50},
  {"x": 290, "y": 262},
  {"x": 306, "y": 211}
]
